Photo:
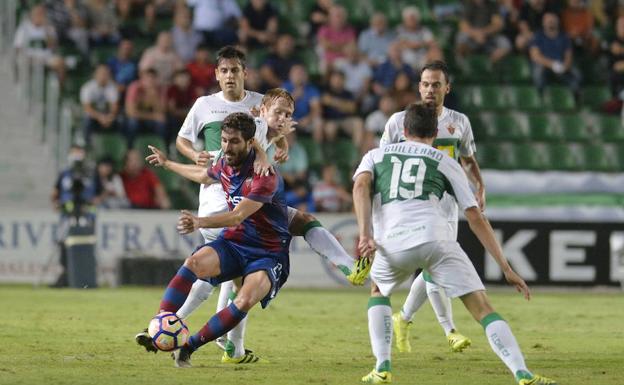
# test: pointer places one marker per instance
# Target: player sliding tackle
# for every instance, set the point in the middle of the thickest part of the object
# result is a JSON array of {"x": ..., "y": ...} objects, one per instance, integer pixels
[
  {"x": 406, "y": 182},
  {"x": 253, "y": 245}
]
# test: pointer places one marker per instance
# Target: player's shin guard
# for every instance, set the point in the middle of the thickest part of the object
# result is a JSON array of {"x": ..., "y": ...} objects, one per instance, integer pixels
[
  {"x": 415, "y": 298},
  {"x": 200, "y": 291},
  {"x": 178, "y": 289},
  {"x": 380, "y": 331},
  {"x": 441, "y": 305},
  {"x": 504, "y": 343},
  {"x": 327, "y": 246},
  {"x": 218, "y": 325}
]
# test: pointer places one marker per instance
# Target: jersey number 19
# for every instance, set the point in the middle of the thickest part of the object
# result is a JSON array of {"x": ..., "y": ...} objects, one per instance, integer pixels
[{"x": 404, "y": 183}]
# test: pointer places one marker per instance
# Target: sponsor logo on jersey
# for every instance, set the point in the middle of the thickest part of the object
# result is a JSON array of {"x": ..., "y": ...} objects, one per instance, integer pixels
[{"x": 234, "y": 201}]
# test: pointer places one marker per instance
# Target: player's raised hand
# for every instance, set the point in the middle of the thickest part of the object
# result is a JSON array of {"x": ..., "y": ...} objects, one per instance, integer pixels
[
  {"x": 367, "y": 247},
  {"x": 202, "y": 158},
  {"x": 157, "y": 158},
  {"x": 263, "y": 168},
  {"x": 288, "y": 127},
  {"x": 517, "y": 281},
  {"x": 187, "y": 223},
  {"x": 280, "y": 155}
]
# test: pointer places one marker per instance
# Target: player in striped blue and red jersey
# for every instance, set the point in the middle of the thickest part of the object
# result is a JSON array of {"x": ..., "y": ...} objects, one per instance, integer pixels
[{"x": 254, "y": 244}]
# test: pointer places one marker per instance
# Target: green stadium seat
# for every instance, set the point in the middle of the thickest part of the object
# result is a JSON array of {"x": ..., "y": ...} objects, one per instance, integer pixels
[
  {"x": 601, "y": 157},
  {"x": 525, "y": 98},
  {"x": 170, "y": 180},
  {"x": 479, "y": 127},
  {"x": 465, "y": 97},
  {"x": 572, "y": 127},
  {"x": 109, "y": 144},
  {"x": 530, "y": 156},
  {"x": 516, "y": 69},
  {"x": 559, "y": 98},
  {"x": 142, "y": 141},
  {"x": 509, "y": 126},
  {"x": 564, "y": 157},
  {"x": 476, "y": 68},
  {"x": 595, "y": 96},
  {"x": 313, "y": 150},
  {"x": 102, "y": 54},
  {"x": 611, "y": 128},
  {"x": 496, "y": 155},
  {"x": 490, "y": 98},
  {"x": 256, "y": 57},
  {"x": 542, "y": 129},
  {"x": 311, "y": 60}
]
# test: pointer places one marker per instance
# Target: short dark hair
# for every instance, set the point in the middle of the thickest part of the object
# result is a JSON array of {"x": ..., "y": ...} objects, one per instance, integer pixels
[
  {"x": 231, "y": 52},
  {"x": 240, "y": 121},
  {"x": 437, "y": 65},
  {"x": 421, "y": 120}
]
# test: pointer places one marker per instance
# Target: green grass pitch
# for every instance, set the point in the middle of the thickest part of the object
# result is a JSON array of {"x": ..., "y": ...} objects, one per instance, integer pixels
[{"x": 311, "y": 337}]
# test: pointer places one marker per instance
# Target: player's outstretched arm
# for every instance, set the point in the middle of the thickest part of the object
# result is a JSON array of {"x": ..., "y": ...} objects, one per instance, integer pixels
[
  {"x": 482, "y": 229},
  {"x": 187, "y": 223},
  {"x": 363, "y": 212},
  {"x": 189, "y": 171}
]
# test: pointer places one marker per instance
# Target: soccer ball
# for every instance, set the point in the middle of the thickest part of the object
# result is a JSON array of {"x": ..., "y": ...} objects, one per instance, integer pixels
[{"x": 168, "y": 332}]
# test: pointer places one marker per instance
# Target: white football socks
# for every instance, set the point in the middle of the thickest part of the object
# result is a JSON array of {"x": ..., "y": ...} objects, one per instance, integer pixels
[
  {"x": 415, "y": 298},
  {"x": 441, "y": 305},
  {"x": 380, "y": 330},
  {"x": 503, "y": 342},
  {"x": 326, "y": 245},
  {"x": 200, "y": 291}
]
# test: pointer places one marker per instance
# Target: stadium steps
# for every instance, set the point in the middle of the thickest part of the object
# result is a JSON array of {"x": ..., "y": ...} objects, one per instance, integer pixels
[{"x": 27, "y": 167}]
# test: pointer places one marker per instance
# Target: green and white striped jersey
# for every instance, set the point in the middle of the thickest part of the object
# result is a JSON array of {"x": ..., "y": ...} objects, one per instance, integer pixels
[
  {"x": 409, "y": 179},
  {"x": 454, "y": 133}
]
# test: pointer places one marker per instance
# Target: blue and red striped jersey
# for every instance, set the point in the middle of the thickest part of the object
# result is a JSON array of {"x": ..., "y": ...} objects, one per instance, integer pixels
[{"x": 267, "y": 228}]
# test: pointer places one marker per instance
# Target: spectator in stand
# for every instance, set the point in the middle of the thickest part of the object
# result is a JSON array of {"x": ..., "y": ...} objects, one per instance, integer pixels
[
  {"x": 376, "y": 122},
  {"x": 162, "y": 58},
  {"x": 578, "y": 22},
  {"x": 402, "y": 91},
  {"x": 274, "y": 71},
  {"x": 384, "y": 74},
  {"x": 308, "y": 110},
  {"x": 103, "y": 23},
  {"x": 100, "y": 103},
  {"x": 531, "y": 14},
  {"x": 333, "y": 37},
  {"x": 358, "y": 75},
  {"x": 510, "y": 14},
  {"x": 417, "y": 42},
  {"x": 616, "y": 51},
  {"x": 69, "y": 18},
  {"x": 109, "y": 188},
  {"x": 217, "y": 20},
  {"x": 180, "y": 98},
  {"x": 145, "y": 107},
  {"x": 123, "y": 67},
  {"x": 126, "y": 15},
  {"x": 143, "y": 189},
  {"x": 551, "y": 55},
  {"x": 185, "y": 39},
  {"x": 258, "y": 26},
  {"x": 202, "y": 71},
  {"x": 340, "y": 112},
  {"x": 329, "y": 195},
  {"x": 374, "y": 41},
  {"x": 295, "y": 174},
  {"x": 480, "y": 31},
  {"x": 319, "y": 16},
  {"x": 35, "y": 38}
]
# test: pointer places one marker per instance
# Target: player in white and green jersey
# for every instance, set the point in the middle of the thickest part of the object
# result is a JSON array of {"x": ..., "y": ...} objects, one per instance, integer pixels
[
  {"x": 455, "y": 138},
  {"x": 406, "y": 228}
]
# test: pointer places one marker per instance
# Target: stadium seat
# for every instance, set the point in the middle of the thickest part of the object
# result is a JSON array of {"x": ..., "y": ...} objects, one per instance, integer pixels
[
  {"x": 525, "y": 98},
  {"x": 611, "y": 128},
  {"x": 572, "y": 127},
  {"x": 464, "y": 95},
  {"x": 476, "y": 68},
  {"x": 601, "y": 157},
  {"x": 102, "y": 54},
  {"x": 345, "y": 153},
  {"x": 542, "y": 129},
  {"x": 170, "y": 180},
  {"x": 565, "y": 157},
  {"x": 530, "y": 156},
  {"x": 489, "y": 98},
  {"x": 313, "y": 150},
  {"x": 559, "y": 98},
  {"x": 256, "y": 57},
  {"x": 595, "y": 96},
  {"x": 496, "y": 155},
  {"x": 509, "y": 126},
  {"x": 109, "y": 144},
  {"x": 479, "y": 127},
  {"x": 516, "y": 69},
  {"x": 142, "y": 141},
  {"x": 311, "y": 60}
]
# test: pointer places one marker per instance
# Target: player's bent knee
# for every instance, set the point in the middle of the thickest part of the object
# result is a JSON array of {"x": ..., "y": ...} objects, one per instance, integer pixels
[{"x": 375, "y": 292}]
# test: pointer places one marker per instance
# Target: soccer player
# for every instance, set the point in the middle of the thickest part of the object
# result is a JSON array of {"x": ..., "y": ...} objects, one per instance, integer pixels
[
  {"x": 455, "y": 138},
  {"x": 406, "y": 182},
  {"x": 253, "y": 245}
]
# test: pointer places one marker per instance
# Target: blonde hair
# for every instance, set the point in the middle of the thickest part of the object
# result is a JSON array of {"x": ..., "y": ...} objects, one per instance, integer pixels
[{"x": 277, "y": 93}]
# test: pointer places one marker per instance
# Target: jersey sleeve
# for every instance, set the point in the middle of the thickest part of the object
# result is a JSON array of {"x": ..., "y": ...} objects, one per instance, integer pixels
[
  {"x": 459, "y": 183},
  {"x": 467, "y": 144},
  {"x": 366, "y": 165},
  {"x": 261, "y": 133},
  {"x": 263, "y": 188},
  {"x": 391, "y": 131},
  {"x": 214, "y": 172},
  {"x": 190, "y": 127}
]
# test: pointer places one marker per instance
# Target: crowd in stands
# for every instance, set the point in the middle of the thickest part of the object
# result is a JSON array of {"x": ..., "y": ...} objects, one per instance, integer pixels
[{"x": 347, "y": 75}]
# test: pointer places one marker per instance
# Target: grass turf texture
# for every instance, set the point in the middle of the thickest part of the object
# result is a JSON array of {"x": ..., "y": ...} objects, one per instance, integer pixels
[{"x": 310, "y": 336}]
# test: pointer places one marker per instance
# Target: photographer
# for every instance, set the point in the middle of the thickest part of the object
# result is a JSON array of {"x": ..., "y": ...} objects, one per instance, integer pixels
[{"x": 72, "y": 197}]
